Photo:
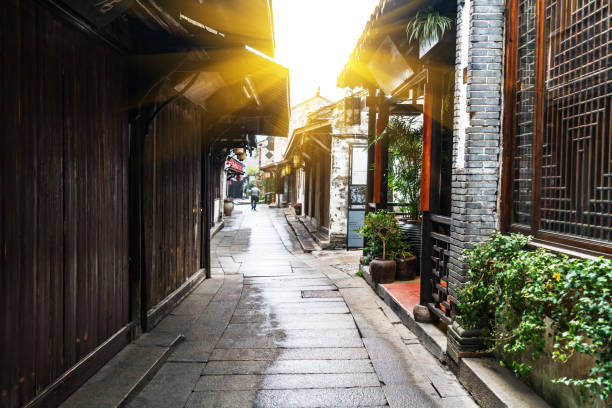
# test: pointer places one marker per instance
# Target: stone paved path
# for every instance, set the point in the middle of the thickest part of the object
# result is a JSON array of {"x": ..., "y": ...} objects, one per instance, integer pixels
[{"x": 278, "y": 328}]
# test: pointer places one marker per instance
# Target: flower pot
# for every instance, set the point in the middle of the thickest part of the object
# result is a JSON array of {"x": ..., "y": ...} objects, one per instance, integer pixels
[
  {"x": 406, "y": 268},
  {"x": 298, "y": 210},
  {"x": 228, "y": 208},
  {"x": 382, "y": 271}
]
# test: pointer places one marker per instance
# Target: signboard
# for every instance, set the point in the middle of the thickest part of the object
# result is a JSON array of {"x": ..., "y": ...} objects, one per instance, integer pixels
[
  {"x": 355, "y": 222},
  {"x": 234, "y": 165}
]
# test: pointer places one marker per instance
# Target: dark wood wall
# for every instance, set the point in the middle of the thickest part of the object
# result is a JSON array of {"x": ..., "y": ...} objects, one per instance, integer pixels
[
  {"x": 172, "y": 197},
  {"x": 63, "y": 233}
]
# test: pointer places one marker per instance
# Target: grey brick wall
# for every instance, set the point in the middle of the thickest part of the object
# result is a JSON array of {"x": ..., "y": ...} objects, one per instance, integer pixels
[{"x": 475, "y": 186}]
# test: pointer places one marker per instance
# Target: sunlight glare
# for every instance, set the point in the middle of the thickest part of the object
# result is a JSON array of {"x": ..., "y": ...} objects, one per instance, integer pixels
[{"x": 314, "y": 40}]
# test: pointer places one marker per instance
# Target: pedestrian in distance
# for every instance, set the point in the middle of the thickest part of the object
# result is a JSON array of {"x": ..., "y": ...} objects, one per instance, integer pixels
[{"x": 254, "y": 198}]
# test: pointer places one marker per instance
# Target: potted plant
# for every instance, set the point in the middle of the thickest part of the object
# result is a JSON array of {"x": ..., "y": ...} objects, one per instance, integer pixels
[
  {"x": 406, "y": 263},
  {"x": 381, "y": 228},
  {"x": 228, "y": 206},
  {"x": 298, "y": 208}
]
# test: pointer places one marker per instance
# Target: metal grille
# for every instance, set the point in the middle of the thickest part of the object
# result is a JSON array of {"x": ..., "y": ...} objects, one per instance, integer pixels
[
  {"x": 576, "y": 173},
  {"x": 525, "y": 95}
]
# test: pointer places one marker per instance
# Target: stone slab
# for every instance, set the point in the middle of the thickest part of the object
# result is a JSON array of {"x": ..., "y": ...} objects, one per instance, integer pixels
[
  {"x": 285, "y": 381},
  {"x": 170, "y": 387},
  {"x": 495, "y": 386},
  {"x": 327, "y": 397},
  {"x": 119, "y": 379},
  {"x": 327, "y": 353},
  {"x": 288, "y": 367}
]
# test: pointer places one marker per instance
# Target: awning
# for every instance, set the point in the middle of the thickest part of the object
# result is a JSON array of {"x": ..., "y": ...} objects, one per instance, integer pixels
[{"x": 247, "y": 90}]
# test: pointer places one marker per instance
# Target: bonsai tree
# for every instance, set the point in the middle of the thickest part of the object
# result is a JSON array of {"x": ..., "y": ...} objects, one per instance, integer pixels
[{"x": 381, "y": 228}]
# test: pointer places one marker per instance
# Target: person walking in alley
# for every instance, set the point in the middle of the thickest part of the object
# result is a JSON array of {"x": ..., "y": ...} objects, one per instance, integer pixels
[{"x": 254, "y": 198}]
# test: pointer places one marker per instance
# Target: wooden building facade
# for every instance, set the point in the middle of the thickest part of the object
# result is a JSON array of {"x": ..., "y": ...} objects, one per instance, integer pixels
[{"x": 108, "y": 172}]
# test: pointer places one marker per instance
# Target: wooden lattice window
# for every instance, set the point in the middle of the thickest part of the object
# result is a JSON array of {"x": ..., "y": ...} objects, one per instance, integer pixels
[{"x": 558, "y": 136}]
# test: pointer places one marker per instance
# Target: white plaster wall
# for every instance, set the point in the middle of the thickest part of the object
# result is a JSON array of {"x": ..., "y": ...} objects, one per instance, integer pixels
[
  {"x": 339, "y": 179},
  {"x": 343, "y": 137}
]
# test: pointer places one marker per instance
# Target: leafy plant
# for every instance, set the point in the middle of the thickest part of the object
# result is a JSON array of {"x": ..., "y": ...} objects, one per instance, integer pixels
[
  {"x": 427, "y": 24},
  {"x": 517, "y": 296},
  {"x": 406, "y": 148},
  {"x": 380, "y": 228}
]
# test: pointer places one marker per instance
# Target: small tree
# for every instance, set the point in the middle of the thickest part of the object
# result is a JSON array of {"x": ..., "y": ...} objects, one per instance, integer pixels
[{"x": 381, "y": 228}]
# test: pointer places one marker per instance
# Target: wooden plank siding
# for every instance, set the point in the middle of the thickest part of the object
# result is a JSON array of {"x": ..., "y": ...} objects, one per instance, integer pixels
[
  {"x": 171, "y": 197},
  {"x": 64, "y": 263}
]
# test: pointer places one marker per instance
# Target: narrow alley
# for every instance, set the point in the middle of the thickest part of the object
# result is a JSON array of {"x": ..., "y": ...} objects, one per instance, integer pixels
[{"x": 278, "y": 328}]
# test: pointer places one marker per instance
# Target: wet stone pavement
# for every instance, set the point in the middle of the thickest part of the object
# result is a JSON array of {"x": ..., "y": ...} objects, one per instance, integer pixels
[{"x": 275, "y": 327}]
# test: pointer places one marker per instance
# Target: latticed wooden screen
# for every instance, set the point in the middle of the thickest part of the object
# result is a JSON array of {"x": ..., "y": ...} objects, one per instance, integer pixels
[
  {"x": 562, "y": 140},
  {"x": 525, "y": 94}
]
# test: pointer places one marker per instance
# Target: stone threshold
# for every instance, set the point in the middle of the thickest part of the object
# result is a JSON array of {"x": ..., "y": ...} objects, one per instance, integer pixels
[
  {"x": 216, "y": 228},
  {"x": 492, "y": 385},
  {"x": 123, "y": 377},
  {"x": 428, "y": 334},
  {"x": 489, "y": 383},
  {"x": 301, "y": 233}
]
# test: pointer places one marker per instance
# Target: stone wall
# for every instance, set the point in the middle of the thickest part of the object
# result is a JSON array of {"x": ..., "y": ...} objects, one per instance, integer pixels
[
  {"x": 477, "y": 128},
  {"x": 343, "y": 136}
]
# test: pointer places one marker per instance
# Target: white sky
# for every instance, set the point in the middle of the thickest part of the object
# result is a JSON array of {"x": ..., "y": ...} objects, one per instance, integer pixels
[{"x": 314, "y": 39}]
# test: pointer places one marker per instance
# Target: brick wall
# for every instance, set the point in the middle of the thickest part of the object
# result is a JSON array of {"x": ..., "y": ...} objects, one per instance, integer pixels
[{"x": 477, "y": 128}]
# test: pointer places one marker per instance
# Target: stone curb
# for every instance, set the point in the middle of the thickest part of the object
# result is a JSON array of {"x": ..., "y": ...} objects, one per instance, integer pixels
[{"x": 490, "y": 384}]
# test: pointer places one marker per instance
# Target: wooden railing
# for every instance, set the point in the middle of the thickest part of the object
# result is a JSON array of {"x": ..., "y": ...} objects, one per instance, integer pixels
[{"x": 434, "y": 267}]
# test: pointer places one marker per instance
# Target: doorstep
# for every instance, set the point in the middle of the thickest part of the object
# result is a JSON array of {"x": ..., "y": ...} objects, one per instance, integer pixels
[
  {"x": 115, "y": 384},
  {"x": 216, "y": 228},
  {"x": 430, "y": 335},
  {"x": 303, "y": 236},
  {"x": 492, "y": 385}
]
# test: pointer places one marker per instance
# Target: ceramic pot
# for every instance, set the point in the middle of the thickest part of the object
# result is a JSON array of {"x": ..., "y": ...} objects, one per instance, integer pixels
[
  {"x": 406, "y": 268},
  {"x": 411, "y": 233},
  {"x": 228, "y": 208},
  {"x": 298, "y": 210},
  {"x": 382, "y": 271}
]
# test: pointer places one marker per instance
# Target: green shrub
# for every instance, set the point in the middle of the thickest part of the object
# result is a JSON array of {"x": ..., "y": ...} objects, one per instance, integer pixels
[
  {"x": 512, "y": 291},
  {"x": 382, "y": 232}
]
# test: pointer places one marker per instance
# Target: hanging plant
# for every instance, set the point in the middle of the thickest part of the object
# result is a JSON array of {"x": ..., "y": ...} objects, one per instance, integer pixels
[{"x": 427, "y": 25}]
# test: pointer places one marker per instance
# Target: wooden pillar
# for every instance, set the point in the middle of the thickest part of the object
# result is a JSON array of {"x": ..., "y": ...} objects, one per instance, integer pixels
[
  {"x": 381, "y": 125},
  {"x": 426, "y": 161},
  {"x": 206, "y": 207},
  {"x": 371, "y": 103},
  {"x": 381, "y": 154},
  {"x": 430, "y": 177}
]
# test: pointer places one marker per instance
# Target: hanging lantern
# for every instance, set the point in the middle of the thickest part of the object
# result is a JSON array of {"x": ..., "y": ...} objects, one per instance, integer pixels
[{"x": 297, "y": 160}]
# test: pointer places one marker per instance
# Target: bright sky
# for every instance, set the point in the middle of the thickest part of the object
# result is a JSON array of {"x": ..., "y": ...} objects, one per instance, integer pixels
[{"x": 314, "y": 39}]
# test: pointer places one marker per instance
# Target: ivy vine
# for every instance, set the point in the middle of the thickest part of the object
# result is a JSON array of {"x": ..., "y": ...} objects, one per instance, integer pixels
[{"x": 517, "y": 296}]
